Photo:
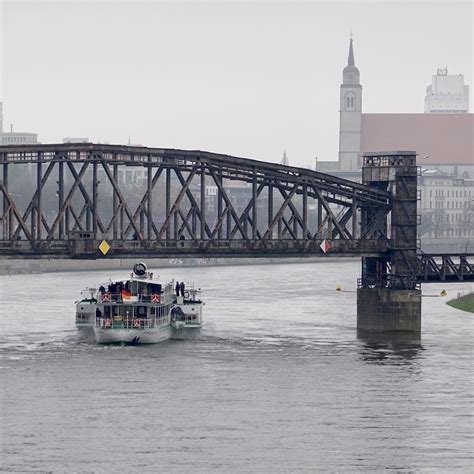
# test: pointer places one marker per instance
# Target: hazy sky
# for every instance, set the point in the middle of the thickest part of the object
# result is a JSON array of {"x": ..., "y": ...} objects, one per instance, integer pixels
[{"x": 243, "y": 78}]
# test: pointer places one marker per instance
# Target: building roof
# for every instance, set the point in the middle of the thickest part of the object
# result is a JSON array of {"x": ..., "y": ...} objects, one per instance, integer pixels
[{"x": 446, "y": 139}]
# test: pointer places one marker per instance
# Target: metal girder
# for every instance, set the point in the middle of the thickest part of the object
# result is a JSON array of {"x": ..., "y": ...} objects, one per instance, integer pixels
[
  {"x": 65, "y": 205},
  {"x": 123, "y": 203},
  {"x": 444, "y": 267},
  {"x": 342, "y": 230},
  {"x": 83, "y": 190},
  {"x": 200, "y": 210},
  {"x": 249, "y": 206},
  {"x": 231, "y": 209},
  {"x": 177, "y": 202},
  {"x": 307, "y": 207},
  {"x": 145, "y": 199},
  {"x": 279, "y": 214},
  {"x": 11, "y": 207},
  {"x": 242, "y": 169}
]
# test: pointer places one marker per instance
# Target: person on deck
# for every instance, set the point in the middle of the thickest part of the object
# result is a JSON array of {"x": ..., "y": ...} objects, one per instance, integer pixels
[
  {"x": 178, "y": 286},
  {"x": 182, "y": 288}
]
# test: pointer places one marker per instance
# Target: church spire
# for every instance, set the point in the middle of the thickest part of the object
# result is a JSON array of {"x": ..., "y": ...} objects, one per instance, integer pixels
[
  {"x": 350, "y": 60},
  {"x": 350, "y": 74}
]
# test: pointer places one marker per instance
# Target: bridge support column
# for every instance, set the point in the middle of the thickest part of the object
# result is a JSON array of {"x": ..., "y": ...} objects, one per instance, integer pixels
[
  {"x": 7, "y": 213},
  {"x": 387, "y": 309},
  {"x": 389, "y": 295}
]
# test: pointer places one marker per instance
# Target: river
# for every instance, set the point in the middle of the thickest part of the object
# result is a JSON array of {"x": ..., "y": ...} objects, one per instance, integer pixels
[{"x": 279, "y": 381}]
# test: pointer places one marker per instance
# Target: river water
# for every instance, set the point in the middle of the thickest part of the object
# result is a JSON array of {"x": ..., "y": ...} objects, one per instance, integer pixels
[{"x": 280, "y": 381}]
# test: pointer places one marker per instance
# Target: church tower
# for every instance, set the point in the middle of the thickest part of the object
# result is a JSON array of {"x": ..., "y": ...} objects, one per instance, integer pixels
[{"x": 350, "y": 116}]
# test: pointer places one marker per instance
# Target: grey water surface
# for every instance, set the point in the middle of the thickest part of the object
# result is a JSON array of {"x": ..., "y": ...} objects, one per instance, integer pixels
[{"x": 280, "y": 381}]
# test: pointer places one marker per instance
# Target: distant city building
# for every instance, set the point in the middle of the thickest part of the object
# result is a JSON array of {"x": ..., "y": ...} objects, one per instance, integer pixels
[
  {"x": 239, "y": 195},
  {"x": 442, "y": 140},
  {"x": 446, "y": 206},
  {"x": 75, "y": 140},
  {"x": 15, "y": 138},
  {"x": 447, "y": 94},
  {"x": 211, "y": 197}
]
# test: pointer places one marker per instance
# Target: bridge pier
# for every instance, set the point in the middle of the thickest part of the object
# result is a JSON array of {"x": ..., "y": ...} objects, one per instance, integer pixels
[
  {"x": 387, "y": 309},
  {"x": 389, "y": 294}
]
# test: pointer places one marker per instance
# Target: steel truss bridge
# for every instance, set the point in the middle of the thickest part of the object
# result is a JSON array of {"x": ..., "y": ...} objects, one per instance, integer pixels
[{"x": 62, "y": 200}]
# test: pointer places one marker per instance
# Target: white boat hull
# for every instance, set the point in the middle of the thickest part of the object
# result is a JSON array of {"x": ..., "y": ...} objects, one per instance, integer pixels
[
  {"x": 85, "y": 330},
  {"x": 132, "y": 336},
  {"x": 186, "y": 332},
  {"x": 187, "y": 320}
]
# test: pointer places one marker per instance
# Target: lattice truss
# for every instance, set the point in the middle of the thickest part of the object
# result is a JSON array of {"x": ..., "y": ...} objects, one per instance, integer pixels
[
  {"x": 446, "y": 267},
  {"x": 179, "y": 195}
]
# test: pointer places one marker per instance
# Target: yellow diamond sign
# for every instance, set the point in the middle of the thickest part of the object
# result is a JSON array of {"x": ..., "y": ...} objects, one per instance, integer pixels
[{"x": 104, "y": 247}]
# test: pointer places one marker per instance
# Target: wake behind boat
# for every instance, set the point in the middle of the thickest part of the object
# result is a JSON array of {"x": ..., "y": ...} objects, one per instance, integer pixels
[{"x": 139, "y": 310}]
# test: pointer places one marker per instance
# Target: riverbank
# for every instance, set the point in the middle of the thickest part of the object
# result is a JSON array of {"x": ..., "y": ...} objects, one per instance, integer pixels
[
  {"x": 464, "y": 303},
  {"x": 24, "y": 266}
]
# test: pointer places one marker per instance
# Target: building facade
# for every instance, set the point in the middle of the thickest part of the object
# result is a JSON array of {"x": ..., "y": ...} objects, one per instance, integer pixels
[
  {"x": 447, "y": 94},
  {"x": 446, "y": 209}
]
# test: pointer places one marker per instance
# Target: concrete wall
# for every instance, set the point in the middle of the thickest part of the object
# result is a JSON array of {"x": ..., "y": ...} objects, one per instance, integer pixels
[
  {"x": 23, "y": 266},
  {"x": 384, "y": 309}
]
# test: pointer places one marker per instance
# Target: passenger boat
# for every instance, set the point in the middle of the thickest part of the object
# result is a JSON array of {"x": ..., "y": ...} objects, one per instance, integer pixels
[
  {"x": 85, "y": 311},
  {"x": 186, "y": 314},
  {"x": 139, "y": 310}
]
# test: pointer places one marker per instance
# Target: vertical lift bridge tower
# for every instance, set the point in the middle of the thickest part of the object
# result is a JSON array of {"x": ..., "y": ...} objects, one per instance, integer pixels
[{"x": 388, "y": 294}]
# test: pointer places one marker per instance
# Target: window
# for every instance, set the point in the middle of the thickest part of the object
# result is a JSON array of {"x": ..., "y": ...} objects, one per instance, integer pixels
[{"x": 350, "y": 101}]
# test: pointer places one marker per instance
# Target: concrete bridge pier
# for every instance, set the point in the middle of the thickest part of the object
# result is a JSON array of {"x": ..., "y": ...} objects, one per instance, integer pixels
[
  {"x": 388, "y": 294},
  {"x": 387, "y": 309}
]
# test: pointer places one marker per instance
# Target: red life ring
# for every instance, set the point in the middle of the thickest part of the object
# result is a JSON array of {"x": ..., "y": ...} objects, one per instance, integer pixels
[
  {"x": 107, "y": 323},
  {"x": 106, "y": 297},
  {"x": 155, "y": 298},
  {"x": 136, "y": 323}
]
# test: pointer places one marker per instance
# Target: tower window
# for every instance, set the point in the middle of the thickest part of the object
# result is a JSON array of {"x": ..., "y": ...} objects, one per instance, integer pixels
[{"x": 350, "y": 101}]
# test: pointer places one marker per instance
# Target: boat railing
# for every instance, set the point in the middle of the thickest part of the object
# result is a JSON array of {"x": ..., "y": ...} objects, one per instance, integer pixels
[
  {"x": 109, "y": 297},
  {"x": 118, "y": 322}
]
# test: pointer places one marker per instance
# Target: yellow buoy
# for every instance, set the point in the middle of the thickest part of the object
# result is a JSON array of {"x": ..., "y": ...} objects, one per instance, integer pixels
[
  {"x": 338, "y": 287},
  {"x": 444, "y": 293}
]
